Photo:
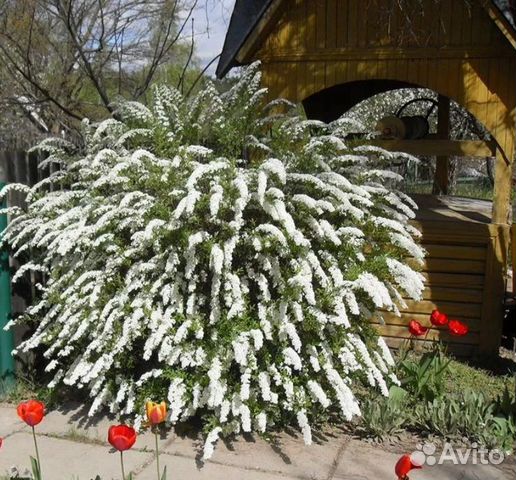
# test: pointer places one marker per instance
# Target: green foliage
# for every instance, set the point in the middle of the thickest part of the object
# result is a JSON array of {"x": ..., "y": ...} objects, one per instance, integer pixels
[
  {"x": 471, "y": 416},
  {"x": 383, "y": 417},
  {"x": 424, "y": 378},
  {"x": 220, "y": 253},
  {"x": 36, "y": 472},
  {"x": 430, "y": 403}
]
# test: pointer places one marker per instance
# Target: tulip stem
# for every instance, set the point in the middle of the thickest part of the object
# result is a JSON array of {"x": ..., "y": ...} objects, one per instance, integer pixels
[
  {"x": 37, "y": 452},
  {"x": 122, "y": 464},
  {"x": 157, "y": 452}
]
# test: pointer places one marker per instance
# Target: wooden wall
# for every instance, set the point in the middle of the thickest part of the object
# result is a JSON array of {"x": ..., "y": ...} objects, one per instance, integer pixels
[
  {"x": 450, "y": 46},
  {"x": 463, "y": 278},
  {"x": 447, "y": 46}
]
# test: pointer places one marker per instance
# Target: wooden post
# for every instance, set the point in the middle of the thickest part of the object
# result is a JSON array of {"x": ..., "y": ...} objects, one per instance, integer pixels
[
  {"x": 442, "y": 167},
  {"x": 502, "y": 187}
]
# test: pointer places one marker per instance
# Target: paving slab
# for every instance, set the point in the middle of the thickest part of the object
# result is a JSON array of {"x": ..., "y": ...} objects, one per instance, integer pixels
[
  {"x": 286, "y": 454},
  {"x": 9, "y": 421},
  {"x": 361, "y": 461},
  {"x": 74, "y": 424},
  {"x": 65, "y": 460},
  {"x": 185, "y": 469}
]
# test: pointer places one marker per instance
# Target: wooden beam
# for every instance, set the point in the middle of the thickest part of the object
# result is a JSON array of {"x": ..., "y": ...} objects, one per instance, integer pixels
[
  {"x": 442, "y": 165},
  {"x": 502, "y": 189},
  {"x": 494, "y": 293},
  {"x": 288, "y": 54},
  {"x": 501, "y": 22},
  {"x": 258, "y": 33},
  {"x": 432, "y": 147}
]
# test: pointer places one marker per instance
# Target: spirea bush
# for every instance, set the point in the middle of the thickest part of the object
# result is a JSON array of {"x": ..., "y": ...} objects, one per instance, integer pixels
[{"x": 218, "y": 253}]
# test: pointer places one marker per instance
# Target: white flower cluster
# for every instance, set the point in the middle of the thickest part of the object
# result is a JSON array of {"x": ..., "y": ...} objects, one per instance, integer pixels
[{"x": 190, "y": 250}]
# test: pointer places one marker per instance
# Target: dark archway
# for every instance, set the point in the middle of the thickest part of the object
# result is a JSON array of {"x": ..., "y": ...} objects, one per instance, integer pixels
[{"x": 329, "y": 104}]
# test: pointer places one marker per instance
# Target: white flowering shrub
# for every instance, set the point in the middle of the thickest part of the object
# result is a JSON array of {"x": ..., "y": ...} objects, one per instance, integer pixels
[{"x": 211, "y": 253}]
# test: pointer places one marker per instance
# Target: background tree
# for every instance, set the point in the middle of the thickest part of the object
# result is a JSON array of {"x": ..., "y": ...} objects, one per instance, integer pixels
[{"x": 63, "y": 60}]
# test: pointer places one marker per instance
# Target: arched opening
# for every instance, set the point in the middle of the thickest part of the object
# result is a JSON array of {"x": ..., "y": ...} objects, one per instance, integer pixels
[
  {"x": 468, "y": 174},
  {"x": 329, "y": 104},
  {"x": 465, "y": 246}
]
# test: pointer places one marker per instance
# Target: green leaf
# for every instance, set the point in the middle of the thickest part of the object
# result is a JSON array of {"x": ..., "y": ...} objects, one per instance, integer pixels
[
  {"x": 164, "y": 476},
  {"x": 35, "y": 468},
  {"x": 397, "y": 394}
]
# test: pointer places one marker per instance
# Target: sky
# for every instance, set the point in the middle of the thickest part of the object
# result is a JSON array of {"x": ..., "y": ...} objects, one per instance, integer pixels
[{"x": 211, "y": 24}]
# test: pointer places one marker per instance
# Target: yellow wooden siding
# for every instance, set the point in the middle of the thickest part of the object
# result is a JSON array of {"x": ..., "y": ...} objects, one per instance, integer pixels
[
  {"x": 450, "y": 47},
  {"x": 463, "y": 278},
  {"x": 331, "y": 24},
  {"x": 456, "y": 50}
]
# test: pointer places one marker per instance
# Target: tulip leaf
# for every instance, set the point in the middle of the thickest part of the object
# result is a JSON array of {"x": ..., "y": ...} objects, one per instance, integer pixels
[
  {"x": 164, "y": 476},
  {"x": 35, "y": 468}
]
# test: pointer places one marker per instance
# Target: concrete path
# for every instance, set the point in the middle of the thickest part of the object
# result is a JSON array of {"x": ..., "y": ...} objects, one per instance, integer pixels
[{"x": 72, "y": 448}]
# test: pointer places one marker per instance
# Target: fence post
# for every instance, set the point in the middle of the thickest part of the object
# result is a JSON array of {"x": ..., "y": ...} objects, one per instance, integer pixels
[{"x": 6, "y": 338}]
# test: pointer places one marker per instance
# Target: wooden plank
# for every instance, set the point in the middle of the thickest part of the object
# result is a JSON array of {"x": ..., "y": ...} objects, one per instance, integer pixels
[
  {"x": 342, "y": 23},
  {"x": 447, "y": 265},
  {"x": 438, "y": 294},
  {"x": 445, "y": 19},
  {"x": 331, "y": 23},
  {"x": 472, "y": 338},
  {"x": 311, "y": 25},
  {"x": 429, "y": 54},
  {"x": 441, "y": 179},
  {"x": 457, "y": 21},
  {"x": 457, "y": 252},
  {"x": 451, "y": 308},
  {"x": 501, "y": 22},
  {"x": 457, "y": 349},
  {"x": 353, "y": 23},
  {"x": 454, "y": 280},
  {"x": 493, "y": 310},
  {"x": 423, "y": 318},
  {"x": 320, "y": 24},
  {"x": 431, "y": 147}
]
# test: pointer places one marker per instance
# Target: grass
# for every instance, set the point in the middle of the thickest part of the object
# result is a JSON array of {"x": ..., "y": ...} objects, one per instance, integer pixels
[
  {"x": 25, "y": 389},
  {"x": 470, "y": 189},
  {"x": 491, "y": 379}
]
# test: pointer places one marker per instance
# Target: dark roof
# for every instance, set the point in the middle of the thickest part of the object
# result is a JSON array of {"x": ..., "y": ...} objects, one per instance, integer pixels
[
  {"x": 247, "y": 14},
  {"x": 508, "y": 10}
]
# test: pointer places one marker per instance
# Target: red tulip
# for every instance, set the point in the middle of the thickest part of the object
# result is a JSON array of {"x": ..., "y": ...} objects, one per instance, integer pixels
[
  {"x": 416, "y": 329},
  {"x": 31, "y": 412},
  {"x": 457, "y": 328},
  {"x": 1, "y": 441},
  {"x": 122, "y": 437},
  {"x": 404, "y": 466},
  {"x": 438, "y": 319}
]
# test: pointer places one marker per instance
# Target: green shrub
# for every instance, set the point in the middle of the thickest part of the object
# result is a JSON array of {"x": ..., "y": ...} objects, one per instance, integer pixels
[{"x": 211, "y": 253}]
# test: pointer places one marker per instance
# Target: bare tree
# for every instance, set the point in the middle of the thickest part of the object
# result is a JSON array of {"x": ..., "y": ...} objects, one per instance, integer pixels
[{"x": 68, "y": 59}]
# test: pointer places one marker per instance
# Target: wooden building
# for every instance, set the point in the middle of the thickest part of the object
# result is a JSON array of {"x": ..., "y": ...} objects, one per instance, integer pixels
[{"x": 332, "y": 54}]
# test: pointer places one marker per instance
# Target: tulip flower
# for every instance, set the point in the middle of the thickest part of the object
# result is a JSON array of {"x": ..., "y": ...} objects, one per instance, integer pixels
[
  {"x": 32, "y": 412},
  {"x": 1, "y": 441},
  {"x": 156, "y": 414},
  {"x": 122, "y": 437},
  {"x": 404, "y": 466},
  {"x": 416, "y": 329},
  {"x": 457, "y": 328},
  {"x": 438, "y": 318}
]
